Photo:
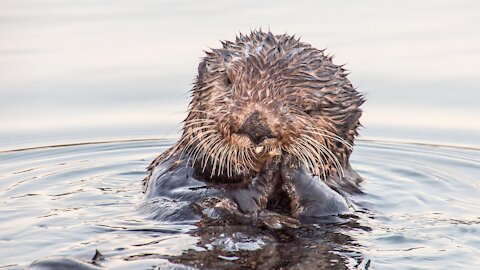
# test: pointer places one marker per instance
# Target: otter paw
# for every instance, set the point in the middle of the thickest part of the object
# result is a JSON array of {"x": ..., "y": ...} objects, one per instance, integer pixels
[
  {"x": 276, "y": 221},
  {"x": 217, "y": 208}
]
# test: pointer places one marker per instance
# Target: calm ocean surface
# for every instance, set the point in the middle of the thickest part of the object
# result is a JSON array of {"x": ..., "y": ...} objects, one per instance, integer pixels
[{"x": 110, "y": 72}]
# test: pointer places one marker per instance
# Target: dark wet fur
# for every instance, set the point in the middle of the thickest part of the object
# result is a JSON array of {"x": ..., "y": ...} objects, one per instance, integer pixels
[{"x": 279, "y": 196}]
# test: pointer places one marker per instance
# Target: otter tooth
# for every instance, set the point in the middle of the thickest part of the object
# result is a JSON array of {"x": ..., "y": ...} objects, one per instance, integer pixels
[
  {"x": 258, "y": 149},
  {"x": 274, "y": 152}
]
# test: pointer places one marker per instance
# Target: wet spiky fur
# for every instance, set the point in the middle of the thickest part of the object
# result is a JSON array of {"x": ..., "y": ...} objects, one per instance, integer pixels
[{"x": 299, "y": 94}]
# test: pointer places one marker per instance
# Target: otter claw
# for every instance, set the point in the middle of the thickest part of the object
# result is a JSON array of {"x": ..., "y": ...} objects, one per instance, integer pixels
[{"x": 277, "y": 221}]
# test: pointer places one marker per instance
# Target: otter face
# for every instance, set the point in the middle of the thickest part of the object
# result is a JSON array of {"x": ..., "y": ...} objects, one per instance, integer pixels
[{"x": 266, "y": 95}]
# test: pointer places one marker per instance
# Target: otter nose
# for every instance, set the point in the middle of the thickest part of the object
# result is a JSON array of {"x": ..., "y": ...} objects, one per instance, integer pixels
[{"x": 256, "y": 129}]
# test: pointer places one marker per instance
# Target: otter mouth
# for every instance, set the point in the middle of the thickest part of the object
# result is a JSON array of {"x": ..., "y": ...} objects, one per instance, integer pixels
[
  {"x": 256, "y": 133},
  {"x": 261, "y": 150},
  {"x": 256, "y": 129}
]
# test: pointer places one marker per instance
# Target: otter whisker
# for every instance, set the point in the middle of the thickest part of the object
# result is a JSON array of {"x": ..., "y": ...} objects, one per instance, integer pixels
[
  {"x": 199, "y": 147},
  {"x": 243, "y": 162},
  {"x": 194, "y": 153},
  {"x": 311, "y": 158},
  {"x": 191, "y": 126},
  {"x": 203, "y": 133},
  {"x": 318, "y": 146},
  {"x": 233, "y": 161},
  {"x": 199, "y": 132},
  {"x": 324, "y": 150},
  {"x": 192, "y": 156},
  {"x": 199, "y": 111},
  {"x": 200, "y": 138},
  {"x": 235, "y": 158},
  {"x": 315, "y": 152},
  {"x": 201, "y": 129},
  {"x": 331, "y": 135},
  {"x": 222, "y": 154},
  {"x": 336, "y": 162},
  {"x": 302, "y": 157},
  {"x": 248, "y": 156},
  {"x": 241, "y": 157},
  {"x": 226, "y": 158},
  {"x": 309, "y": 163},
  {"x": 188, "y": 147},
  {"x": 247, "y": 161},
  {"x": 199, "y": 123},
  {"x": 229, "y": 160},
  {"x": 340, "y": 140},
  {"x": 198, "y": 120},
  {"x": 187, "y": 135},
  {"x": 182, "y": 140},
  {"x": 207, "y": 156},
  {"x": 228, "y": 164},
  {"x": 214, "y": 156},
  {"x": 293, "y": 151},
  {"x": 322, "y": 129}
]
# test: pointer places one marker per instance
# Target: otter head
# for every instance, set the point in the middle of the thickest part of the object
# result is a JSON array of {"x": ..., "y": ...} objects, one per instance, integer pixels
[{"x": 266, "y": 95}]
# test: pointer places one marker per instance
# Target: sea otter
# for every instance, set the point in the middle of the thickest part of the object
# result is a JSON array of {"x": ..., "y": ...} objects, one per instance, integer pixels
[{"x": 267, "y": 139}]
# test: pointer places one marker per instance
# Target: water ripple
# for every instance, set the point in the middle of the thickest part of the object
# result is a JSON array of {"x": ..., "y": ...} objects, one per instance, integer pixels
[{"x": 420, "y": 210}]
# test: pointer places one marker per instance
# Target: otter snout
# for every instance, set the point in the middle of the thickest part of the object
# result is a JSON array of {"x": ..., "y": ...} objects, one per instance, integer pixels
[{"x": 256, "y": 129}]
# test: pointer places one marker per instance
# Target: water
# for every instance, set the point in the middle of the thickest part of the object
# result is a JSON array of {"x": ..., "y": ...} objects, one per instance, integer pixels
[
  {"x": 419, "y": 211},
  {"x": 82, "y": 71}
]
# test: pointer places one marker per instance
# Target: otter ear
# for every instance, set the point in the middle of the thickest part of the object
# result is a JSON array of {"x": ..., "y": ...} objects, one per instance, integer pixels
[
  {"x": 203, "y": 71},
  {"x": 202, "y": 68},
  {"x": 226, "y": 55},
  {"x": 205, "y": 68}
]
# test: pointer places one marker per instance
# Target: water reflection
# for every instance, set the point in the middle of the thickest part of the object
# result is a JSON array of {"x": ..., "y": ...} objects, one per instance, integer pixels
[{"x": 241, "y": 247}]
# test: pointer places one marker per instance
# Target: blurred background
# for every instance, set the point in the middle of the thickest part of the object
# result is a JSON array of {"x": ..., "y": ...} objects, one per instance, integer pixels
[{"x": 88, "y": 70}]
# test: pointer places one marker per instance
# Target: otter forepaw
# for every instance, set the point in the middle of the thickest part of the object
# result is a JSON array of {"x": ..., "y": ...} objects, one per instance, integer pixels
[
  {"x": 311, "y": 196},
  {"x": 276, "y": 221},
  {"x": 217, "y": 208}
]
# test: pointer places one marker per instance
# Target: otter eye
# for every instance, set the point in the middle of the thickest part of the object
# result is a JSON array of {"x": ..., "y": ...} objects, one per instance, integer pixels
[{"x": 309, "y": 111}]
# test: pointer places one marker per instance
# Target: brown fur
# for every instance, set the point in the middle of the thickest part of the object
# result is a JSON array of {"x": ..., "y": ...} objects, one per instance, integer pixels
[{"x": 301, "y": 99}]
